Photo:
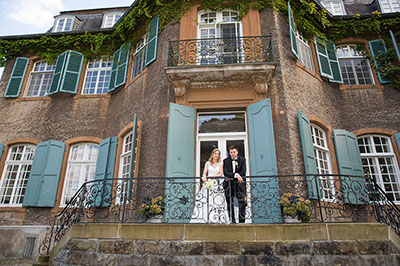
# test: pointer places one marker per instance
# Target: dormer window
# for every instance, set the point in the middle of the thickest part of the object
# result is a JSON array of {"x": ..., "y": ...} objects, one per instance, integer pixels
[
  {"x": 64, "y": 24},
  {"x": 110, "y": 19},
  {"x": 335, "y": 7},
  {"x": 389, "y": 6}
]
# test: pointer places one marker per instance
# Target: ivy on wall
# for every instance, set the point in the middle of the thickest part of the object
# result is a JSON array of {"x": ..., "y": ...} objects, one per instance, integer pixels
[{"x": 310, "y": 20}]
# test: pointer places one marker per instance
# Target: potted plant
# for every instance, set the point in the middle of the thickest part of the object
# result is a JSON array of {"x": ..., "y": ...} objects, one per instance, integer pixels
[
  {"x": 153, "y": 209},
  {"x": 295, "y": 208}
]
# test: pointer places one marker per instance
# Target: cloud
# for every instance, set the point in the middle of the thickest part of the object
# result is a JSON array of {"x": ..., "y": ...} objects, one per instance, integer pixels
[{"x": 39, "y": 13}]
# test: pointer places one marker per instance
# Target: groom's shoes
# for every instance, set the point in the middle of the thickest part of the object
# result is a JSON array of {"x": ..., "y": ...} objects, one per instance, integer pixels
[{"x": 233, "y": 222}]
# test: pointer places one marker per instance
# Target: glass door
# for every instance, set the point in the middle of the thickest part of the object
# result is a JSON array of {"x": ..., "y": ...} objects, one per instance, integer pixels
[{"x": 218, "y": 130}]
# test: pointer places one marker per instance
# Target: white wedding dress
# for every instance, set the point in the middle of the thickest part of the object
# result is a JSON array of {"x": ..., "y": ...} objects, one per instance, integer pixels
[{"x": 210, "y": 205}]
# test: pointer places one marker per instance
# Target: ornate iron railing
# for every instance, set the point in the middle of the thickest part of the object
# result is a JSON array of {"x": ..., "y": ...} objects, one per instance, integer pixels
[
  {"x": 383, "y": 208},
  {"x": 332, "y": 198},
  {"x": 220, "y": 51}
]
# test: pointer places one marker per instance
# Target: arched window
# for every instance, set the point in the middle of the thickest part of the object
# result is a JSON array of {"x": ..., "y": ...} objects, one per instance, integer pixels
[
  {"x": 125, "y": 160},
  {"x": 323, "y": 161},
  {"x": 16, "y": 174},
  {"x": 379, "y": 162},
  {"x": 111, "y": 18},
  {"x": 98, "y": 74},
  {"x": 354, "y": 66},
  {"x": 389, "y": 6},
  {"x": 219, "y": 32},
  {"x": 335, "y": 7},
  {"x": 40, "y": 79},
  {"x": 80, "y": 169},
  {"x": 64, "y": 23}
]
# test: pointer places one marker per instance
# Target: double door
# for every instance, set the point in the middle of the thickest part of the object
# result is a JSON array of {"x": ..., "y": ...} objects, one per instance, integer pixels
[{"x": 210, "y": 205}]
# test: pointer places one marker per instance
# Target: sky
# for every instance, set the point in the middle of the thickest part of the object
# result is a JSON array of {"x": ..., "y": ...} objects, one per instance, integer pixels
[{"x": 37, "y": 16}]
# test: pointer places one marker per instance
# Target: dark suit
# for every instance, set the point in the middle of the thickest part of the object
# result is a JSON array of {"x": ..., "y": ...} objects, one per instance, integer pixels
[{"x": 233, "y": 188}]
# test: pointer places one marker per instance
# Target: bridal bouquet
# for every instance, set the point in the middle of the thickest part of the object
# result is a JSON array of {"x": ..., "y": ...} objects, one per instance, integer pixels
[{"x": 208, "y": 184}]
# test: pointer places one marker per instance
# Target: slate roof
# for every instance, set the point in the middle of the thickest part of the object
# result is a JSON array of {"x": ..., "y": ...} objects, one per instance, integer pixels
[
  {"x": 361, "y": 8},
  {"x": 88, "y": 22}
]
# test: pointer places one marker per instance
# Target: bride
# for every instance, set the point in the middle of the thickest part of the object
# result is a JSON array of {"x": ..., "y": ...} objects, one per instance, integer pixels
[{"x": 211, "y": 204}]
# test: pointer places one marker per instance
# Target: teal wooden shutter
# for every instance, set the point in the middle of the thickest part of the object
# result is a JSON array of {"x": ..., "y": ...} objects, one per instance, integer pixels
[
  {"x": 114, "y": 68},
  {"x": 323, "y": 59},
  {"x": 119, "y": 67},
  {"x": 292, "y": 32},
  {"x": 378, "y": 47},
  {"x": 397, "y": 137},
  {"x": 1, "y": 149},
  {"x": 151, "y": 48},
  {"x": 395, "y": 45},
  {"x": 58, "y": 72},
  {"x": 72, "y": 72},
  {"x": 132, "y": 161},
  {"x": 334, "y": 63},
  {"x": 104, "y": 170},
  {"x": 43, "y": 181},
  {"x": 349, "y": 163},
  {"x": 17, "y": 77},
  {"x": 308, "y": 155},
  {"x": 180, "y": 163},
  {"x": 266, "y": 206}
]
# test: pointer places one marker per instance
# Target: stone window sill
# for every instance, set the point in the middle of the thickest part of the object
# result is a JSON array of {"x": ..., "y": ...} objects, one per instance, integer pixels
[{"x": 301, "y": 66}]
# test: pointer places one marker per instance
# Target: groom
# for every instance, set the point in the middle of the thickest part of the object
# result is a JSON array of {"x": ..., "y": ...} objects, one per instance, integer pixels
[{"x": 235, "y": 183}]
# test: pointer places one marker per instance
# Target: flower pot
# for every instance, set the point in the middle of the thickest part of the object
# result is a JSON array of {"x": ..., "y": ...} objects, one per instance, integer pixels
[
  {"x": 291, "y": 220},
  {"x": 155, "y": 219}
]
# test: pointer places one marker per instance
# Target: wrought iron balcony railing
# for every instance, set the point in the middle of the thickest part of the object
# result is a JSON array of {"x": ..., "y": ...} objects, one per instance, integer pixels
[
  {"x": 331, "y": 198},
  {"x": 220, "y": 51}
]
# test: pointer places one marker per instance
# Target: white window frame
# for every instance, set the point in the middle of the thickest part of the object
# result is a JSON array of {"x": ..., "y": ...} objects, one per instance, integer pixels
[
  {"x": 41, "y": 86},
  {"x": 124, "y": 166},
  {"x": 329, "y": 6},
  {"x": 82, "y": 178},
  {"x": 374, "y": 155},
  {"x": 139, "y": 57},
  {"x": 22, "y": 176},
  {"x": 98, "y": 69},
  {"x": 126, "y": 154},
  {"x": 352, "y": 55},
  {"x": 304, "y": 52},
  {"x": 57, "y": 22},
  {"x": 114, "y": 19},
  {"x": 326, "y": 183},
  {"x": 391, "y": 3},
  {"x": 216, "y": 25}
]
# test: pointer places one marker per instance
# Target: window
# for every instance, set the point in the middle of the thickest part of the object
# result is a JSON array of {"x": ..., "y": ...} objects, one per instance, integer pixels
[
  {"x": 334, "y": 7},
  {"x": 40, "y": 79},
  {"x": 379, "y": 162},
  {"x": 323, "y": 161},
  {"x": 97, "y": 76},
  {"x": 16, "y": 174},
  {"x": 139, "y": 62},
  {"x": 354, "y": 67},
  {"x": 389, "y": 6},
  {"x": 80, "y": 169},
  {"x": 219, "y": 32},
  {"x": 125, "y": 161},
  {"x": 64, "y": 24},
  {"x": 110, "y": 19},
  {"x": 305, "y": 56}
]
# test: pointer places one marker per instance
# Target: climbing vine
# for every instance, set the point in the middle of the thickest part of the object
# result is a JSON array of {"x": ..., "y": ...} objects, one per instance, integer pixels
[{"x": 309, "y": 17}]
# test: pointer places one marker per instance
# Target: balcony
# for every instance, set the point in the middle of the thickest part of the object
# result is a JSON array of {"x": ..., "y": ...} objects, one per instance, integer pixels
[
  {"x": 332, "y": 199},
  {"x": 220, "y": 62},
  {"x": 220, "y": 51}
]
